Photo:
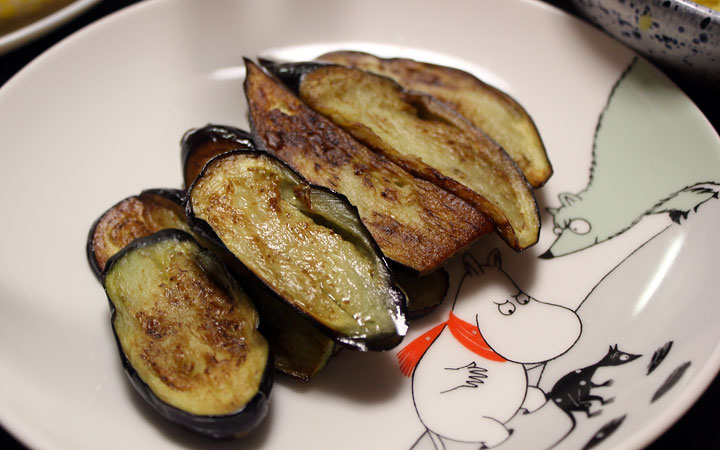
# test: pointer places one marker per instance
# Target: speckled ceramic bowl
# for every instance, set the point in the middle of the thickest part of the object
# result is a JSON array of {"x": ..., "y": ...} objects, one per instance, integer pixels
[{"x": 679, "y": 35}]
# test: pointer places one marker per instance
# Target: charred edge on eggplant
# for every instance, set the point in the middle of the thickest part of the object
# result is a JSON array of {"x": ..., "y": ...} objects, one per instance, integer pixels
[
  {"x": 131, "y": 218},
  {"x": 417, "y": 224},
  {"x": 441, "y": 146},
  {"x": 198, "y": 146},
  {"x": 226, "y": 325},
  {"x": 392, "y": 310}
]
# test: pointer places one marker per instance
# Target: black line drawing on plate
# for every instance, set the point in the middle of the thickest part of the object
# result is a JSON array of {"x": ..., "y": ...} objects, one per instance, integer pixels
[
  {"x": 604, "y": 432},
  {"x": 671, "y": 381},
  {"x": 468, "y": 377},
  {"x": 574, "y": 391},
  {"x": 470, "y": 382},
  {"x": 659, "y": 356}
]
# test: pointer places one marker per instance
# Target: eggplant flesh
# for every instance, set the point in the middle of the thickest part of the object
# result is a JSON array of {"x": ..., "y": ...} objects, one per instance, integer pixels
[
  {"x": 429, "y": 139},
  {"x": 488, "y": 108},
  {"x": 303, "y": 242},
  {"x": 415, "y": 223},
  {"x": 136, "y": 216},
  {"x": 198, "y": 146},
  {"x": 187, "y": 335},
  {"x": 299, "y": 348}
]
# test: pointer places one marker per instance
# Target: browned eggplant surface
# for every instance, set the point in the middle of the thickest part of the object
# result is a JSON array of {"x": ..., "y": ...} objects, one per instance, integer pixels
[
  {"x": 140, "y": 215},
  {"x": 415, "y": 223},
  {"x": 198, "y": 146},
  {"x": 490, "y": 109},
  {"x": 187, "y": 335},
  {"x": 304, "y": 242},
  {"x": 299, "y": 349},
  {"x": 429, "y": 139}
]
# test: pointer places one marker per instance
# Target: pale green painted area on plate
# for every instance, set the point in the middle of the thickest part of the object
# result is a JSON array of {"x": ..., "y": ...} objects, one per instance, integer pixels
[{"x": 650, "y": 156}]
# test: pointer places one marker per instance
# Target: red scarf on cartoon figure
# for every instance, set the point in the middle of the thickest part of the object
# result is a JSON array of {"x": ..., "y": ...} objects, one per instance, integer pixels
[{"x": 465, "y": 332}]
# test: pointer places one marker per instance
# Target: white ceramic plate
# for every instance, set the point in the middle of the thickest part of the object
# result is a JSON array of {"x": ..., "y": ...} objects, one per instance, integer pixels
[
  {"x": 99, "y": 118},
  {"x": 43, "y": 25}
]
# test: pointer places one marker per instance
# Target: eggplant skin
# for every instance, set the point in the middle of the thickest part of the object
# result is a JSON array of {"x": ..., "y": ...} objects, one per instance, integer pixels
[
  {"x": 299, "y": 348},
  {"x": 303, "y": 242},
  {"x": 415, "y": 223},
  {"x": 424, "y": 293},
  {"x": 488, "y": 108},
  {"x": 429, "y": 139},
  {"x": 135, "y": 216},
  {"x": 230, "y": 426},
  {"x": 187, "y": 335},
  {"x": 198, "y": 146}
]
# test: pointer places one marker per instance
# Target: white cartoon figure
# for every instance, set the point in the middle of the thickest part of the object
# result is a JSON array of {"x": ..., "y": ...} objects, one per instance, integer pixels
[{"x": 468, "y": 373}]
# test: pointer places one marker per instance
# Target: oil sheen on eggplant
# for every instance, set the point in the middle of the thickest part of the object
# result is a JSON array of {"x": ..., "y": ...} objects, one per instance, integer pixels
[
  {"x": 414, "y": 222},
  {"x": 187, "y": 335},
  {"x": 429, "y": 139},
  {"x": 488, "y": 108},
  {"x": 306, "y": 243},
  {"x": 136, "y": 216},
  {"x": 198, "y": 146},
  {"x": 299, "y": 349}
]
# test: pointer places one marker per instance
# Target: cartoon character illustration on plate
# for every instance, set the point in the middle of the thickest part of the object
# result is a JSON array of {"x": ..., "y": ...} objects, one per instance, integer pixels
[
  {"x": 641, "y": 166},
  {"x": 574, "y": 392},
  {"x": 468, "y": 374}
]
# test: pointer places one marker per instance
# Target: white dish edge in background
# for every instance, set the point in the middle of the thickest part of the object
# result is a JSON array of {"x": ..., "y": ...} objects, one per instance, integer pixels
[{"x": 44, "y": 25}]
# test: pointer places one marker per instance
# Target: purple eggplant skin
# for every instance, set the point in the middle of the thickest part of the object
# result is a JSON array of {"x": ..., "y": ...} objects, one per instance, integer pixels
[
  {"x": 291, "y": 73},
  {"x": 209, "y": 238},
  {"x": 424, "y": 293},
  {"x": 199, "y": 145},
  {"x": 229, "y": 426},
  {"x": 175, "y": 196}
]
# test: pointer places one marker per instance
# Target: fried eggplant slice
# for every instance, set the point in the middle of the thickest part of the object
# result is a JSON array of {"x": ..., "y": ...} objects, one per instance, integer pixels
[
  {"x": 198, "y": 146},
  {"x": 299, "y": 348},
  {"x": 187, "y": 335},
  {"x": 415, "y": 223},
  {"x": 488, "y": 108},
  {"x": 428, "y": 139},
  {"x": 136, "y": 216},
  {"x": 304, "y": 242},
  {"x": 424, "y": 293}
]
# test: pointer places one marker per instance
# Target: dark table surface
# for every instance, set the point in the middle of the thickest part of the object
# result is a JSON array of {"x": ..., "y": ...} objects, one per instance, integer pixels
[{"x": 697, "y": 429}]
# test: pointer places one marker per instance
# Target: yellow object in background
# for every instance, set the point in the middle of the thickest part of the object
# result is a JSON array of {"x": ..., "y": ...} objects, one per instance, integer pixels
[
  {"x": 714, "y": 4},
  {"x": 16, "y": 14}
]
